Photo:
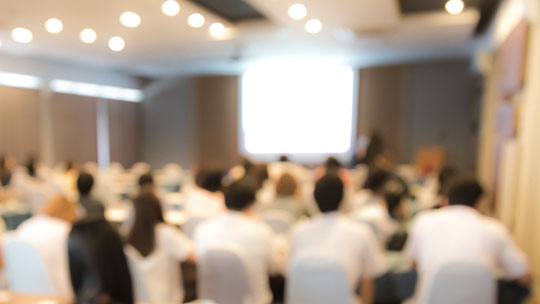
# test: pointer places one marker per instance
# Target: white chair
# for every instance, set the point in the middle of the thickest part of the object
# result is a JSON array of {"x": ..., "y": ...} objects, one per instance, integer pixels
[
  {"x": 223, "y": 277},
  {"x": 24, "y": 270},
  {"x": 280, "y": 221},
  {"x": 463, "y": 282},
  {"x": 317, "y": 279},
  {"x": 191, "y": 224}
]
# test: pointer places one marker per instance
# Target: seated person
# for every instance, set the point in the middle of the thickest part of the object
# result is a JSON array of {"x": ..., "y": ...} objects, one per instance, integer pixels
[
  {"x": 239, "y": 229},
  {"x": 353, "y": 245},
  {"x": 205, "y": 200},
  {"x": 97, "y": 264},
  {"x": 146, "y": 183},
  {"x": 372, "y": 190},
  {"x": 287, "y": 198},
  {"x": 460, "y": 232},
  {"x": 48, "y": 233},
  {"x": 156, "y": 250},
  {"x": 93, "y": 208}
]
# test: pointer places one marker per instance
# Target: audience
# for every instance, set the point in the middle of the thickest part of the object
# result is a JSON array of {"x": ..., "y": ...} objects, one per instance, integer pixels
[
  {"x": 93, "y": 208},
  {"x": 460, "y": 232},
  {"x": 239, "y": 229},
  {"x": 155, "y": 251},
  {"x": 48, "y": 233},
  {"x": 97, "y": 263},
  {"x": 206, "y": 199},
  {"x": 353, "y": 245},
  {"x": 7, "y": 168},
  {"x": 287, "y": 198}
]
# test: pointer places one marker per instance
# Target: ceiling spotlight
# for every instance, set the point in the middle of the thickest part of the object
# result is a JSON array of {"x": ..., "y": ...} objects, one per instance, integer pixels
[
  {"x": 88, "y": 35},
  {"x": 217, "y": 30},
  {"x": 455, "y": 7},
  {"x": 313, "y": 26},
  {"x": 196, "y": 20},
  {"x": 116, "y": 44},
  {"x": 54, "y": 26},
  {"x": 130, "y": 19},
  {"x": 297, "y": 11},
  {"x": 170, "y": 8},
  {"x": 22, "y": 35}
]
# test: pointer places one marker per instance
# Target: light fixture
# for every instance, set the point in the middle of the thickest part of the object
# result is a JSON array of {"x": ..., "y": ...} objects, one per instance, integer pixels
[
  {"x": 170, "y": 8},
  {"x": 54, "y": 26},
  {"x": 217, "y": 30},
  {"x": 116, "y": 44},
  {"x": 454, "y": 7},
  {"x": 130, "y": 19},
  {"x": 19, "y": 81},
  {"x": 313, "y": 26},
  {"x": 196, "y": 20},
  {"x": 22, "y": 35},
  {"x": 95, "y": 90},
  {"x": 297, "y": 11},
  {"x": 88, "y": 35}
]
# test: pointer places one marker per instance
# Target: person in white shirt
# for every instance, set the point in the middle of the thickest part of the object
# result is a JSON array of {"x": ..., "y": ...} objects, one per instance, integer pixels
[
  {"x": 239, "y": 229},
  {"x": 459, "y": 232},
  {"x": 352, "y": 244},
  {"x": 206, "y": 199},
  {"x": 48, "y": 233},
  {"x": 155, "y": 251}
]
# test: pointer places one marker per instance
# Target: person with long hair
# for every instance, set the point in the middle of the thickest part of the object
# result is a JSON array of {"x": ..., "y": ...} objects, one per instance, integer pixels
[
  {"x": 155, "y": 251},
  {"x": 97, "y": 264}
]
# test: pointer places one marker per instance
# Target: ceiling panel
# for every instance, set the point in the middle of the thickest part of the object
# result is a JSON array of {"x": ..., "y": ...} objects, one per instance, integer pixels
[{"x": 232, "y": 10}]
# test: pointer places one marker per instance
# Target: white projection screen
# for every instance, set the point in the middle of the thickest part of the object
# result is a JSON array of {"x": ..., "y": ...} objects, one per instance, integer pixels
[{"x": 297, "y": 110}]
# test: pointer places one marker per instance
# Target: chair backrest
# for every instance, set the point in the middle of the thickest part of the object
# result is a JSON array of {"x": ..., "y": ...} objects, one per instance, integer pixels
[
  {"x": 280, "y": 221},
  {"x": 223, "y": 277},
  {"x": 191, "y": 224},
  {"x": 463, "y": 282},
  {"x": 317, "y": 279},
  {"x": 24, "y": 269}
]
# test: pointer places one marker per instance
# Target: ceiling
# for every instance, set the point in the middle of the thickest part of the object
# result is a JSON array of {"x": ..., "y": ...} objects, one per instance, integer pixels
[
  {"x": 417, "y": 6},
  {"x": 354, "y": 31}
]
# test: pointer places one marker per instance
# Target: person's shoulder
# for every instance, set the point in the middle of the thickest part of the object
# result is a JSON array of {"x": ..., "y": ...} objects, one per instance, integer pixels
[
  {"x": 494, "y": 226},
  {"x": 352, "y": 227}
]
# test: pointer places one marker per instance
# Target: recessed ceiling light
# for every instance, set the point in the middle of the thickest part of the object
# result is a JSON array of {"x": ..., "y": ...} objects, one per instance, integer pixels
[
  {"x": 297, "y": 11},
  {"x": 454, "y": 7},
  {"x": 22, "y": 35},
  {"x": 88, "y": 35},
  {"x": 54, "y": 26},
  {"x": 130, "y": 19},
  {"x": 116, "y": 44},
  {"x": 196, "y": 20},
  {"x": 170, "y": 8},
  {"x": 217, "y": 30},
  {"x": 313, "y": 26}
]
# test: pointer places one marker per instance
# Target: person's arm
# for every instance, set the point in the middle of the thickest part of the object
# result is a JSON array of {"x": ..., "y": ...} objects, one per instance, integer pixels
[
  {"x": 513, "y": 260},
  {"x": 368, "y": 291}
]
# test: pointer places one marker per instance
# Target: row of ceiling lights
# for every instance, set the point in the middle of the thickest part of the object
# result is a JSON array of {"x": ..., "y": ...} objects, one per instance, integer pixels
[
  {"x": 129, "y": 19},
  {"x": 298, "y": 12}
]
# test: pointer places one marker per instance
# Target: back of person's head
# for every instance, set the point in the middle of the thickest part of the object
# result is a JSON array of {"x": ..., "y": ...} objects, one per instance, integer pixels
[
  {"x": 246, "y": 164},
  {"x": 332, "y": 165},
  {"x": 146, "y": 180},
  {"x": 329, "y": 193},
  {"x": 286, "y": 185},
  {"x": 395, "y": 191},
  {"x": 31, "y": 166},
  {"x": 85, "y": 182},
  {"x": 148, "y": 214},
  {"x": 283, "y": 158},
  {"x": 465, "y": 191},
  {"x": 446, "y": 175},
  {"x": 376, "y": 180},
  {"x": 61, "y": 208},
  {"x": 97, "y": 264},
  {"x": 210, "y": 179},
  {"x": 260, "y": 174},
  {"x": 240, "y": 195}
]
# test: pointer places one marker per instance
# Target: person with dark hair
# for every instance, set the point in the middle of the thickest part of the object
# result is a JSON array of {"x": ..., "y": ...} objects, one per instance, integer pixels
[
  {"x": 93, "y": 208},
  {"x": 7, "y": 168},
  {"x": 374, "y": 149},
  {"x": 205, "y": 199},
  {"x": 351, "y": 244},
  {"x": 97, "y": 264},
  {"x": 31, "y": 167},
  {"x": 460, "y": 232},
  {"x": 288, "y": 198},
  {"x": 283, "y": 158},
  {"x": 239, "y": 228},
  {"x": 156, "y": 250},
  {"x": 146, "y": 183}
]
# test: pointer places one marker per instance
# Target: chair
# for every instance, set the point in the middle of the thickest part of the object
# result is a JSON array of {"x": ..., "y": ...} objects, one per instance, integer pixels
[
  {"x": 317, "y": 279},
  {"x": 463, "y": 282},
  {"x": 24, "y": 270},
  {"x": 280, "y": 221},
  {"x": 191, "y": 224},
  {"x": 223, "y": 277}
]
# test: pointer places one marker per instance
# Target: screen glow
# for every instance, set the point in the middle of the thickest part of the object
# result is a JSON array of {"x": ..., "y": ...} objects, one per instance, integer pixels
[{"x": 297, "y": 109}]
